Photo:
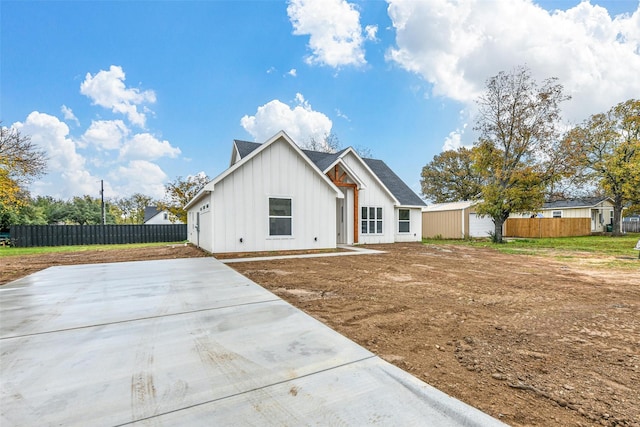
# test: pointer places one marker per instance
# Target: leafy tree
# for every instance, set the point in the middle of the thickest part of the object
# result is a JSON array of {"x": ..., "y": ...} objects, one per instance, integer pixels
[
  {"x": 130, "y": 210},
  {"x": 20, "y": 163},
  {"x": 519, "y": 152},
  {"x": 179, "y": 192},
  {"x": 607, "y": 149},
  {"x": 85, "y": 210},
  {"x": 451, "y": 177},
  {"x": 53, "y": 210}
]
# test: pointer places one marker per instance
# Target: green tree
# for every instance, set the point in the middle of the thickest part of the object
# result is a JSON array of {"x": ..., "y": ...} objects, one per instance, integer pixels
[
  {"x": 451, "y": 177},
  {"x": 519, "y": 152},
  {"x": 130, "y": 210},
  {"x": 85, "y": 210},
  {"x": 20, "y": 163},
  {"x": 179, "y": 192},
  {"x": 607, "y": 149}
]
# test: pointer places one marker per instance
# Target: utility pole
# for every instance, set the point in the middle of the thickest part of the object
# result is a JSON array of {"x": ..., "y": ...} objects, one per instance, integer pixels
[{"x": 104, "y": 219}]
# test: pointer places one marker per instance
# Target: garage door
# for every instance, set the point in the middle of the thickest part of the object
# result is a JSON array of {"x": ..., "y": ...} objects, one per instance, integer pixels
[{"x": 480, "y": 226}]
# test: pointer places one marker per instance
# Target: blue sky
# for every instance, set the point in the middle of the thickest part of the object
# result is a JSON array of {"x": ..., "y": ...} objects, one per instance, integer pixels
[{"x": 137, "y": 93}]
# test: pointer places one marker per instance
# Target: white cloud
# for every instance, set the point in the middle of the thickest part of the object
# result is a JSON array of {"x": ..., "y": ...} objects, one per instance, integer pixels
[
  {"x": 147, "y": 147},
  {"x": 370, "y": 32},
  {"x": 333, "y": 27},
  {"x": 300, "y": 122},
  {"x": 67, "y": 174},
  {"x": 292, "y": 72},
  {"x": 457, "y": 45},
  {"x": 67, "y": 113},
  {"x": 108, "y": 90},
  {"x": 106, "y": 134},
  {"x": 139, "y": 176}
]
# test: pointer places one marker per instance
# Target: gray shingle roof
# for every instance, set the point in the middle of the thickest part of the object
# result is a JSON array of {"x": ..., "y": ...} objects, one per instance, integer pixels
[
  {"x": 150, "y": 212},
  {"x": 398, "y": 188},
  {"x": 574, "y": 203},
  {"x": 394, "y": 184}
]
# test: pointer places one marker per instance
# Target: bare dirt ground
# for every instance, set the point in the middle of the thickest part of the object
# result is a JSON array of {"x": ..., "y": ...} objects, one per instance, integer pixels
[
  {"x": 529, "y": 340},
  {"x": 15, "y": 267}
]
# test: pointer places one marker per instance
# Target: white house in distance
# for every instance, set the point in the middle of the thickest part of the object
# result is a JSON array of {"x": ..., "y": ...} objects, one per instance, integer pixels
[
  {"x": 276, "y": 196},
  {"x": 598, "y": 209},
  {"x": 154, "y": 216}
]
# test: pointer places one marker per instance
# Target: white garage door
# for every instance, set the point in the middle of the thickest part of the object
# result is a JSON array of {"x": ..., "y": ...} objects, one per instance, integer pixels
[{"x": 480, "y": 226}]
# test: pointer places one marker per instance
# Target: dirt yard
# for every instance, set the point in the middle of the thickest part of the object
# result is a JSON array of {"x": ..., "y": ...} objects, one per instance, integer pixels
[{"x": 526, "y": 339}]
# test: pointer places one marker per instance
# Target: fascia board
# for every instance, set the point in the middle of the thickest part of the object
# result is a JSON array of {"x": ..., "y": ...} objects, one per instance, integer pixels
[
  {"x": 352, "y": 174},
  {"x": 351, "y": 150}
]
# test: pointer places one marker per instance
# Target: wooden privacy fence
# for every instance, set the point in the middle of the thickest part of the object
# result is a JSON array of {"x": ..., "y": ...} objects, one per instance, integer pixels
[
  {"x": 547, "y": 227},
  {"x": 70, "y": 235},
  {"x": 631, "y": 226}
]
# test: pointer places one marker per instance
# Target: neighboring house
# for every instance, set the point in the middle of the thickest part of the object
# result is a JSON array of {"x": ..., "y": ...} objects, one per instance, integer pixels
[
  {"x": 455, "y": 220},
  {"x": 598, "y": 209},
  {"x": 153, "y": 216},
  {"x": 276, "y": 196},
  {"x": 631, "y": 218}
]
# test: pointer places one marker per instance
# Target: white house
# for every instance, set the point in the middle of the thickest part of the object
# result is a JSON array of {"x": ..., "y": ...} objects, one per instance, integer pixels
[
  {"x": 276, "y": 196},
  {"x": 154, "y": 216},
  {"x": 598, "y": 209}
]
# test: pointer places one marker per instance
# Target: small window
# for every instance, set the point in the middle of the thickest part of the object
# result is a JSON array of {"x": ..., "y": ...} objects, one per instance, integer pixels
[
  {"x": 166, "y": 216},
  {"x": 404, "y": 221},
  {"x": 280, "y": 217},
  {"x": 371, "y": 221},
  {"x": 557, "y": 214}
]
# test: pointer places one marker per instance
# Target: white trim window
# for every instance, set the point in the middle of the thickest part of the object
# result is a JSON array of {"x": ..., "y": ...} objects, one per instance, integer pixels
[
  {"x": 557, "y": 214},
  {"x": 280, "y": 218},
  {"x": 371, "y": 220},
  {"x": 404, "y": 221}
]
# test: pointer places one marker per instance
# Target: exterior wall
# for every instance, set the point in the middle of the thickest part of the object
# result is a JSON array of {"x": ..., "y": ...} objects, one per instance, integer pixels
[
  {"x": 373, "y": 196},
  {"x": 415, "y": 226},
  {"x": 241, "y": 204},
  {"x": 568, "y": 212},
  {"x": 204, "y": 236},
  {"x": 598, "y": 223},
  {"x": 445, "y": 224},
  {"x": 159, "y": 219}
]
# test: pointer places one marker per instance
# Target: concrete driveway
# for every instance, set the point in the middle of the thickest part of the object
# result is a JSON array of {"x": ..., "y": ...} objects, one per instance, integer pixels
[{"x": 191, "y": 342}]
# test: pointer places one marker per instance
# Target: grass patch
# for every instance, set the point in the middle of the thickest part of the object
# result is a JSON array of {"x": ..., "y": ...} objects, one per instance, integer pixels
[
  {"x": 570, "y": 247},
  {"x": 13, "y": 251}
]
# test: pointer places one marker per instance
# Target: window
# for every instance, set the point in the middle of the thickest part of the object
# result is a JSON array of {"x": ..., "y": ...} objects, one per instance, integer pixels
[
  {"x": 279, "y": 217},
  {"x": 371, "y": 222},
  {"x": 557, "y": 214},
  {"x": 166, "y": 216},
  {"x": 404, "y": 221}
]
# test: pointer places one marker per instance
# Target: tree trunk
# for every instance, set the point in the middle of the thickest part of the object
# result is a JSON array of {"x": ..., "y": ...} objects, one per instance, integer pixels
[
  {"x": 617, "y": 216},
  {"x": 498, "y": 222}
]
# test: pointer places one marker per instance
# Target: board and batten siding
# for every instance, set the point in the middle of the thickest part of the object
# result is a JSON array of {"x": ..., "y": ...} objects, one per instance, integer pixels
[
  {"x": 241, "y": 204},
  {"x": 373, "y": 196},
  {"x": 203, "y": 238},
  {"x": 415, "y": 227}
]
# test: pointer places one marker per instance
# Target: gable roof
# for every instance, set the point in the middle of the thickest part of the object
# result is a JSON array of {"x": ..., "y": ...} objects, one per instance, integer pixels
[
  {"x": 586, "y": 202},
  {"x": 250, "y": 150},
  {"x": 150, "y": 212},
  {"x": 396, "y": 186}
]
